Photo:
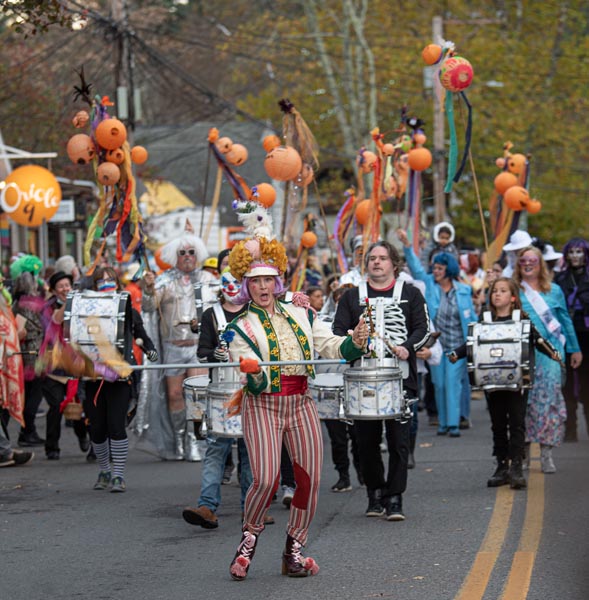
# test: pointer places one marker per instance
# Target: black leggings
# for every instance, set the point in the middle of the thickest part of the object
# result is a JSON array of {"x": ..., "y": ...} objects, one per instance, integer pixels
[
  {"x": 508, "y": 422},
  {"x": 108, "y": 417}
]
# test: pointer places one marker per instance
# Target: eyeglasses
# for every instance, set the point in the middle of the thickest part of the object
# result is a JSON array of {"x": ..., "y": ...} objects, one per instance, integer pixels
[
  {"x": 190, "y": 251},
  {"x": 528, "y": 262}
]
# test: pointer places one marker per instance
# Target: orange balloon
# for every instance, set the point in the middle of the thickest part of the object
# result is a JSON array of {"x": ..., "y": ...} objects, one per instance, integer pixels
[
  {"x": 266, "y": 194},
  {"x": 516, "y": 197},
  {"x": 139, "y": 155},
  {"x": 110, "y": 134},
  {"x": 308, "y": 239},
  {"x": 363, "y": 211},
  {"x": 516, "y": 163},
  {"x": 420, "y": 159},
  {"x": 270, "y": 142},
  {"x": 431, "y": 54},
  {"x": 504, "y": 181},
  {"x": 283, "y": 163},
  {"x": 534, "y": 206},
  {"x": 108, "y": 173},
  {"x": 30, "y": 195},
  {"x": 164, "y": 266}
]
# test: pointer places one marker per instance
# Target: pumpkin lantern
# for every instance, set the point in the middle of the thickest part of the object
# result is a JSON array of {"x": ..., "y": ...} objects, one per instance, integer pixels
[
  {"x": 504, "y": 181},
  {"x": 367, "y": 161},
  {"x": 80, "y": 119},
  {"x": 266, "y": 194},
  {"x": 456, "y": 74},
  {"x": 283, "y": 163},
  {"x": 139, "y": 155},
  {"x": 108, "y": 173},
  {"x": 500, "y": 162},
  {"x": 419, "y": 139},
  {"x": 237, "y": 155},
  {"x": 116, "y": 156},
  {"x": 308, "y": 239},
  {"x": 363, "y": 211},
  {"x": 516, "y": 197},
  {"x": 80, "y": 149},
  {"x": 110, "y": 134},
  {"x": 431, "y": 54},
  {"x": 419, "y": 159},
  {"x": 224, "y": 144},
  {"x": 270, "y": 142},
  {"x": 534, "y": 206},
  {"x": 516, "y": 163}
]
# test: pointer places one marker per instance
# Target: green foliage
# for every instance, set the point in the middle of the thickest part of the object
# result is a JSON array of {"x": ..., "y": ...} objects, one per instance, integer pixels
[{"x": 30, "y": 17}]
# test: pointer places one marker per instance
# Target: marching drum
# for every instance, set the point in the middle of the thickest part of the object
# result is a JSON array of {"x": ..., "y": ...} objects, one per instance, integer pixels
[
  {"x": 374, "y": 392},
  {"x": 498, "y": 355},
  {"x": 99, "y": 316},
  {"x": 327, "y": 391},
  {"x": 194, "y": 390},
  {"x": 218, "y": 423}
]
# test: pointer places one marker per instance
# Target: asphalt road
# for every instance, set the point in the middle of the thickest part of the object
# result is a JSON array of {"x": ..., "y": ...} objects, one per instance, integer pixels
[{"x": 60, "y": 539}]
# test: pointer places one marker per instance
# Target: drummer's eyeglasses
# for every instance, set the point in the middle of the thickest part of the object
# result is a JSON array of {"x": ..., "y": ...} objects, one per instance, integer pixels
[
  {"x": 528, "y": 262},
  {"x": 190, "y": 251}
]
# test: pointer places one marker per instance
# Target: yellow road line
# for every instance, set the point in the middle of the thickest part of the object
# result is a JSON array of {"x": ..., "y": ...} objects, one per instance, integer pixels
[
  {"x": 520, "y": 574},
  {"x": 476, "y": 581}
]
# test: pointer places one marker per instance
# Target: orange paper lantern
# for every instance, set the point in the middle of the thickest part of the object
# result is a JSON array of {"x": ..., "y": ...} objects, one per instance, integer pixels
[
  {"x": 516, "y": 197},
  {"x": 108, "y": 173},
  {"x": 116, "y": 156},
  {"x": 363, "y": 211},
  {"x": 419, "y": 159},
  {"x": 500, "y": 162},
  {"x": 237, "y": 155},
  {"x": 283, "y": 163},
  {"x": 534, "y": 206},
  {"x": 431, "y": 54},
  {"x": 504, "y": 181},
  {"x": 419, "y": 139},
  {"x": 30, "y": 195},
  {"x": 110, "y": 134},
  {"x": 266, "y": 194},
  {"x": 270, "y": 142},
  {"x": 516, "y": 163},
  {"x": 164, "y": 266},
  {"x": 224, "y": 144},
  {"x": 80, "y": 149},
  {"x": 308, "y": 239},
  {"x": 139, "y": 155}
]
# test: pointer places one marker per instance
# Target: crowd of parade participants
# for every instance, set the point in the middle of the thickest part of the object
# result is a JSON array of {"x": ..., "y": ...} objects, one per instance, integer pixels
[{"x": 236, "y": 308}]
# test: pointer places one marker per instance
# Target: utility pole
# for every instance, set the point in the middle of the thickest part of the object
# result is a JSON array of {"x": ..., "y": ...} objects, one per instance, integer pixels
[
  {"x": 439, "y": 141},
  {"x": 125, "y": 90}
]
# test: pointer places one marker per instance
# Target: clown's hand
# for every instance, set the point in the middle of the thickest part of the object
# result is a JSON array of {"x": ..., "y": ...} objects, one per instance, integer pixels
[
  {"x": 249, "y": 365},
  {"x": 221, "y": 354},
  {"x": 152, "y": 355}
]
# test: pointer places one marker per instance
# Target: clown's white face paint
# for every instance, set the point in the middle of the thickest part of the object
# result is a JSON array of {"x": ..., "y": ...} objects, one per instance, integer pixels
[
  {"x": 576, "y": 257},
  {"x": 229, "y": 287}
]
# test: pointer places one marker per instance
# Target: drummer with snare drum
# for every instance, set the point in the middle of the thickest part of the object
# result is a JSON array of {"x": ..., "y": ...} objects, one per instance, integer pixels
[{"x": 405, "y": 331}]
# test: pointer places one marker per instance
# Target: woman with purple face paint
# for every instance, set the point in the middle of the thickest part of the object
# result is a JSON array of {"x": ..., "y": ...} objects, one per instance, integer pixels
[
  {"x": 574, "y": 281},
  {"x": 107, "y": 402}
]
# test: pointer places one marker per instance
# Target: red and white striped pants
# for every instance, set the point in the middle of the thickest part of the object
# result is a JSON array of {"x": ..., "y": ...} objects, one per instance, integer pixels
[{"x": 266, "y": 420}]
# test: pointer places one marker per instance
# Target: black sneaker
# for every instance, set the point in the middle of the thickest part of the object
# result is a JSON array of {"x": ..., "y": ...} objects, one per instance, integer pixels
[
  {"x": 375, "y": 508},
  {"x": 394, "y": 509},
  {"x": 28, "y": 440},
  {"x": 343, "y": 485}
]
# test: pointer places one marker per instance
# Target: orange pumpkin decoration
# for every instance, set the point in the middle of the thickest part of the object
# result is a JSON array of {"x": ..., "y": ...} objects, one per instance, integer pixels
[
  {"x": 388, "y": 149},
  {"x": 363, "y": 211},
  {"x": 266, "y": 194},
  {"x": 308, "y": 239},
  {"x": 534, "y": 206},
  {"x": 516, "y": 163},
  {"x": 283, "y": 163},
  {"x": 110, "y": 134},
  {"x": 139, "y": 155},
  {"x": 419, "y": 138},
  {"x": 431, "y": 54},
  {"x": 270, "y": 142},
  {"x": 80, "y": 119},
  {"x": 237, "y": 155},
  {"x": 224, "y": 144},
  {"x": 80, "y": 149},
  {"x": 516, "y": 197},
  {"x": 500, "y": 162},
  {"x": 305, "y": 177},
  {"x": 116, "y": 156},
  {"x": 108, "y": 173},
  {"x": 163, "y": 265},
  {"x": 504, "y": 181},
  {"x": 368, "y": 161},
  {"x": 420, "y": 159}
]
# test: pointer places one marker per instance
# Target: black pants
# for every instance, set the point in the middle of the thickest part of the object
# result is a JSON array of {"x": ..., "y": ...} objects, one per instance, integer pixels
[
  {"x": 369, "y": 435},
  {"x": 429, "y": 396},
  {"x": 508, "y": 422},
  {"x": 286, "y": 471},
  {"x": 54, "y": 394},
  {"x": 108, "y": 415},
  {"x": 339, "y": 433},
  {"x": 33, "y": 397},
  {"x": 576, "y": 388}
]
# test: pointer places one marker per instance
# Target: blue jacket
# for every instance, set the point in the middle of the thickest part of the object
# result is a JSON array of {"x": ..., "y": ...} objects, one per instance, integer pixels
[{"x": 433, "y": 292}]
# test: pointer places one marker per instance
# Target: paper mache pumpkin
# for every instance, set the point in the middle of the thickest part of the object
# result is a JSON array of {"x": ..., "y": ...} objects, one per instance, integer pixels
[
  {"x": 80, "y": 149},
  {"x": 237, "y": 155},
  {"x": 139, "y": 155},
  {"x": 283, "y": 163},
  {"x": 108, "y": 173},
  {"x": 110, "y": 134},
  {"x": 116, "y": 156}
]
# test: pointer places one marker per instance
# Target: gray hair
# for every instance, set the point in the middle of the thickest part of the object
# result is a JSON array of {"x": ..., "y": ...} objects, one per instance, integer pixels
[
  {"x": 66, "y": 263},
  {"x": 169, "y": 252}
]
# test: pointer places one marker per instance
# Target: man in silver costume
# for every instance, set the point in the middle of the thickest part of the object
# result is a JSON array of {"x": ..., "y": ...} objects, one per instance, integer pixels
[{"x": 179, "y": 296}]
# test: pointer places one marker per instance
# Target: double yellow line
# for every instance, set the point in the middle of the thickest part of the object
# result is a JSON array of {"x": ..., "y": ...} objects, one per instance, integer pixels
[{"x": 520, "y": 574}]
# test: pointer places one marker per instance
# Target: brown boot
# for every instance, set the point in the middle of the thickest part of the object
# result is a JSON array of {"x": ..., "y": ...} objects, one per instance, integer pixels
[
  {"x": 243, "y": 557},
  {"x": 202, "y": 516},
  {"x": 294, "y": 564}
]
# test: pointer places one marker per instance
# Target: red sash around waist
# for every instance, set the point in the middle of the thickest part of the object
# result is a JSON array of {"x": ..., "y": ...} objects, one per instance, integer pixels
[{"x": 291, "y": 385}]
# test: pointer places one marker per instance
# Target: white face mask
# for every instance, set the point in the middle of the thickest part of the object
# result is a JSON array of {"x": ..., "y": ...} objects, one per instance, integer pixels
[
  {"x": 230, "y": 287},
  {"x": 576, "y": 257}
]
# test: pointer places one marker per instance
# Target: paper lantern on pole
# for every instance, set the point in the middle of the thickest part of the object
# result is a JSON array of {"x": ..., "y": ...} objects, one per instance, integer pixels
[
  {"x": 283, "y": 163},
  {"x": 500, "y": 162},
  {"x": 516, "y": 163},
  {"x": 237, "y": 155},
  {"x": 308, "y": 239},
  {"x": 363, "y": 211},
  {"x": 116, "y": 156},
  {"x": 31, "y": 195},
  {"x": 224, "y": 144},
  {"x": 534, "y": 206},
  {"x": 456, "y": 74},
  {"x": 270, "y": 142},
  {"x": 431, "y": 54},
  {"x": 139, "y": 155},
  {"x": 504, "y": 181},
  {"x": 420, "y": 159},
  {"x": 266, "y": 194},
  {"x": 419, "y": 138},
  {"x": 516, "y": 197},
  {"x": 108, "y": 173},
  {"x": 80, "y": 149},
  {"x": 110, "y": 134}
]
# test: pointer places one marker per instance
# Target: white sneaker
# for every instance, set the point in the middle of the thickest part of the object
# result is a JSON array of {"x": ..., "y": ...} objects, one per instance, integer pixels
[
  {"x": 546, "y": 460},
  {"x": 287, "y": 494}
]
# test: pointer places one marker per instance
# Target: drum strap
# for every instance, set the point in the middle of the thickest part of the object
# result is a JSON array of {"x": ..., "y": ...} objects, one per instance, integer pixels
[
  {"x": 516, "y": 315},
  {"x": 397, "y": 291},
  {"x": 220, "y": 316}
]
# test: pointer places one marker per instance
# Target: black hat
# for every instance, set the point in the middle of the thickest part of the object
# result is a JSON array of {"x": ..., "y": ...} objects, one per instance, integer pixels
[{"x": 57, "y": 277}]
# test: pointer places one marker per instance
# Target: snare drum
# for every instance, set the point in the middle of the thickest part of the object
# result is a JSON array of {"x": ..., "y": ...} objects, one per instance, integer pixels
[
  {"x": 327, "y": 391},
  {"x": 498, "y": 355},
  {"x": 194, "y": 390},
  {"x": 218, "y": 423},
  {"x": 373, "y": 393},
  {"x": 93, "y": 315}
]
